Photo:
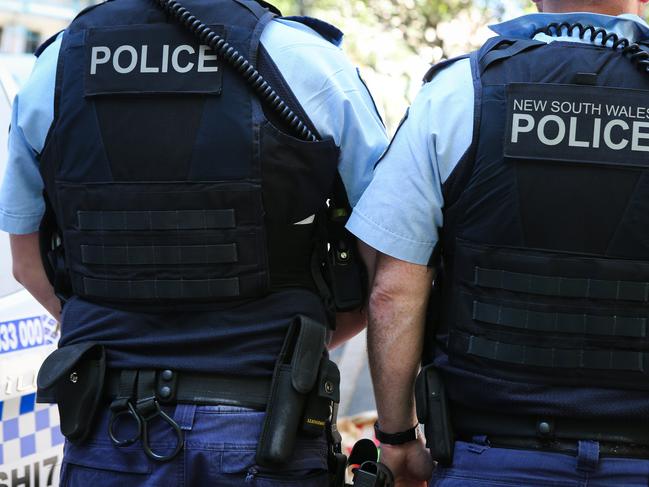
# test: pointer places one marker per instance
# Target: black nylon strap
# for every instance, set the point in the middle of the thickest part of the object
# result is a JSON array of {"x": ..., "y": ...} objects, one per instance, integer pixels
[
  {"x": 554, "y": 357},
  {"x": 162, "y": 289},
  {"x": 146, "y": 401},
  {"x": 159, "y": 254},
  {"x": 562, "y": 286},
  {"x": 560, "y": 322},
  {"x": 126, "y": 390},
  {"x": 156, "y": 220},
  {"x": 516, "y": 47},
  {"x": 191, "y": 388}
]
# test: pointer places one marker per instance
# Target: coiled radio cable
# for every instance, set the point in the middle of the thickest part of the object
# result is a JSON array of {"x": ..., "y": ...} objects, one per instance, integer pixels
[
  {"x": 633, "y": 51},
  {"x": 244, "y": 67}
]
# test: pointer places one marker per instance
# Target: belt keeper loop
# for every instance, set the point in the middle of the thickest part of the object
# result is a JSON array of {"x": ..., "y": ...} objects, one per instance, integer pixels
[{"x": 166, "y": 386}]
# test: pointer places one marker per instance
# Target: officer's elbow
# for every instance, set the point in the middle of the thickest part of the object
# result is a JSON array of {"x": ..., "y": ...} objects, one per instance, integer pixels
[{"x": 382, "y": 297}]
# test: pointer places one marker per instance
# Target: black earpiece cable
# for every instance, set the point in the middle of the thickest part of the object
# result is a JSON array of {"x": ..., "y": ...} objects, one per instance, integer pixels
[{"x": 225, "y": 51}]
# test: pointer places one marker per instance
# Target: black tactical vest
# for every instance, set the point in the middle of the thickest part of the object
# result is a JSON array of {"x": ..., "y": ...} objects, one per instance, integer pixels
[
  {"x": 170, "y": 185},
  {"x": 544, "y": 262}
]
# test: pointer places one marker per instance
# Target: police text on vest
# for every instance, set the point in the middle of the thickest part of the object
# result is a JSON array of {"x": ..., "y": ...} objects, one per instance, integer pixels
[
  {"x": 577, "y": 124},
  {"x": 126, "y": 59}
]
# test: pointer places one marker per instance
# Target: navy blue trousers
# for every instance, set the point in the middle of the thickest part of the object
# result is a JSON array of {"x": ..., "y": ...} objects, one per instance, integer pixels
[
  {"x": 479, "y": 465},
  {"x": 220, "y": 445}
]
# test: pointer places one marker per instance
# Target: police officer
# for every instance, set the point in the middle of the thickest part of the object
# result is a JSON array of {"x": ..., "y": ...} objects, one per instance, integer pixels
[
  {"x": 518, "y": 183},
  {"x": 190, "y": 217}
]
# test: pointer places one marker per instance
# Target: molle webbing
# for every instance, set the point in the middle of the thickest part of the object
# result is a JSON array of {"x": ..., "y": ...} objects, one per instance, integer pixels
[
  {"x": 157, "y": 220},
  {"x": 159, "y": 254},
  {"x": 574, "y": 359},
  {"x": 162, "y": 289},
  {"x": 562, "y": 286},
  {"x": 553, "y": 322},
  {"x": 549, "y": 320}
]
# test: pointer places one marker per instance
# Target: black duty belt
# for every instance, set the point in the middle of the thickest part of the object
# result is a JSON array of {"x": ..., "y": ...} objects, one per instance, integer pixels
[
  {"x": 173, "y": 387},
  {"x": 616, "y": 437},
  {"x": 606, "y": 449}
]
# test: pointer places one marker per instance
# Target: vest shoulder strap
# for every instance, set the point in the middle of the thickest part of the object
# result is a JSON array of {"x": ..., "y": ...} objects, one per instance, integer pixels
[
  {"x": 330, "y": 32},
  {"x": 259, "y": 8},
  {"x": 501, "y": 48}
]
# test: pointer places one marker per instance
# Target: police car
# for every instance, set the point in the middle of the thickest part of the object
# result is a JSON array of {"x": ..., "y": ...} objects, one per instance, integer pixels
[{"x": 31, "y": 443}]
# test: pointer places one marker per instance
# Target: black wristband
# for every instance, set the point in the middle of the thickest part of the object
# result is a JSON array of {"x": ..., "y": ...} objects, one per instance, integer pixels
[{"x": 396, "y": 438}]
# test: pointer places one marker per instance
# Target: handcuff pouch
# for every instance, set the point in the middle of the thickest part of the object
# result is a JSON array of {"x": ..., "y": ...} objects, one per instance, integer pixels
[{"x": 73, "y": 378}]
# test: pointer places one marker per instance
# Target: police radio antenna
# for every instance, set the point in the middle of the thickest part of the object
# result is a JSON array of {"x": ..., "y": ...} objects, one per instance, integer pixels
[
  {"x": 633, "y": 51},
  {"x": 244, "y": 67}
]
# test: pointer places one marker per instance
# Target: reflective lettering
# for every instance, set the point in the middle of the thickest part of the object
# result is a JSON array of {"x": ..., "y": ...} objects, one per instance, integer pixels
[
  {"x": 637, "y": 136},
  {"x": 165, "y": 58},
  {"x": 517, "y": 128},
  {"x": 561, "y": 132},
  {"x": 597, "y": 130},
  {"x": 572, "y": 137},
  {"x": 118, "y": 52},
  {"x": 143, "y": 67},
  {"x": 176, "y": 54},
  {"x": 95, "y": 59},
  {"x": 203, "y": 57},
  {"x": 607, "y": 134}
]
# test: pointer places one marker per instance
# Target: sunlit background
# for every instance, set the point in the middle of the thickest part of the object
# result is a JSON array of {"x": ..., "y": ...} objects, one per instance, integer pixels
[{"x": 392, "y": 41}]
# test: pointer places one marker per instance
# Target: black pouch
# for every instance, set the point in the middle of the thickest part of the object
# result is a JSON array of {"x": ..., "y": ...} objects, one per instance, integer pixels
[
  {"x": 73, "y": 378},
  {"x": 345, "y": 272},
  {"x": 433, "y": 413},
  {"x": 295, "y": 375},
  {"x": 319, "y": 402}
]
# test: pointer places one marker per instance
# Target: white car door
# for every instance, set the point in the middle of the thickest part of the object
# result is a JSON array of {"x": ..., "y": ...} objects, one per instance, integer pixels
[{"x": 31, "y": 443}]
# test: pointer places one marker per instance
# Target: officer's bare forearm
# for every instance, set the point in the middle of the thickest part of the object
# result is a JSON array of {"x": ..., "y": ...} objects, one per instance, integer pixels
[
  {"x": 28, "y": 271},
  {"x": 395, "y": 338}
]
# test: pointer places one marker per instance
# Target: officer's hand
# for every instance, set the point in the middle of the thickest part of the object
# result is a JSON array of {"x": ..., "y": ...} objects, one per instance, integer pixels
[{"x": 410, "y": 463}]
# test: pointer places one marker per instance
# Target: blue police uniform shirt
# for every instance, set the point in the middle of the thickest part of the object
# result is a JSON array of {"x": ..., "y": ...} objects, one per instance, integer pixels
[
  {"x": 400, "y": 213},
  {"x": 246, "y": 338}
]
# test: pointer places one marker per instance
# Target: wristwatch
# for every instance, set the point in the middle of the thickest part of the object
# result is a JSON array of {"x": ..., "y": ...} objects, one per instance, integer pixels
[{"x": 396, "y": 438}]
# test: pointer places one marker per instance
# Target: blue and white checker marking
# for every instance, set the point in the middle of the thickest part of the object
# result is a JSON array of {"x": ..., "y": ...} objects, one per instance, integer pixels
[{"x": 27, "y": 427}]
